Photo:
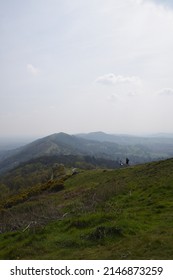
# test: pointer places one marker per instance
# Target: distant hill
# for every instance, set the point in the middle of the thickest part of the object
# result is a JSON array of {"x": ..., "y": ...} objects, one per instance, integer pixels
[
  {"x": 57, "y": 144},
  {"x": 125, "y": 139},
  {"x": 104, "y": 137},
  {"x": 99, "y": 145},
  {"x": 154, "y": 146}
]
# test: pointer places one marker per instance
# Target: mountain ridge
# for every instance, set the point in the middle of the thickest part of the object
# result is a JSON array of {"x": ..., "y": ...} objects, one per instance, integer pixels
[
  {"x": 98, "y": 144},
  {"x": 126, "y": 138}
]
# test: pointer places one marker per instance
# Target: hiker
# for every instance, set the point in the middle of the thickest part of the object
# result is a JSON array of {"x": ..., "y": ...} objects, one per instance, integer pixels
[{"x": 127, "y": 161}]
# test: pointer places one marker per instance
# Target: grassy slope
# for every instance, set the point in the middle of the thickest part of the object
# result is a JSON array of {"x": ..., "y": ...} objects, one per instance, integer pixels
[{"x": 118, "y": 214}]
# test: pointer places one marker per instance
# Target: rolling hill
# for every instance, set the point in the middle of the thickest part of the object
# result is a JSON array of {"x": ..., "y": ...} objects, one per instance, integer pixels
[
  {"x": 162, "y": 143},
  {"x": 99, "y": 145},
  {"x": 96, "y": 214}
]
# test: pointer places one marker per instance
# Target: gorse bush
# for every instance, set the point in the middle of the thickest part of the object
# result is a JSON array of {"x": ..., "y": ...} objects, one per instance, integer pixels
[{"x": 51, "y": 186}]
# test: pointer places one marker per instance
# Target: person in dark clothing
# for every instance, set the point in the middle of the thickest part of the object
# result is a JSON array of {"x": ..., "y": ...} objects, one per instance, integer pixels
[{"x": 127, "y": 161}]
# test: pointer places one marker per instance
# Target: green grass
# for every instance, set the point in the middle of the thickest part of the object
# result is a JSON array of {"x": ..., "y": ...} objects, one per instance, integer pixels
[{"x": 100, "y": 214}]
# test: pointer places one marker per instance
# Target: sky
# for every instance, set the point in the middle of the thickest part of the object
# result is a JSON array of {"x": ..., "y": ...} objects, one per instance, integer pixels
[{"x": 86, "y": 65}]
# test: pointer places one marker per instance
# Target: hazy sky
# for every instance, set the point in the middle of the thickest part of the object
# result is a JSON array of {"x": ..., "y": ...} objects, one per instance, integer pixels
[{"x": 86, "y": 65}]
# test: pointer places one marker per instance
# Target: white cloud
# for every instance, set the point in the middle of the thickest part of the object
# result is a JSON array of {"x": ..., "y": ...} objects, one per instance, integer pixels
[
  {"x": 112, "y": 79},
  {"x": 33, "y": 70},
  {"x": 166, "y": 3},
  {"x": 166, "y": 92}
]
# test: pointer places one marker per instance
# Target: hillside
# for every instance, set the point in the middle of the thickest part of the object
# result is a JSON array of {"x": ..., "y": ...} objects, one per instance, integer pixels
[
  {"x": 96, "y": 214},
  {"x": 39, "y": 170},
  {"x": 99, "y": 145},
  {"x": 58, "y": 144}
]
